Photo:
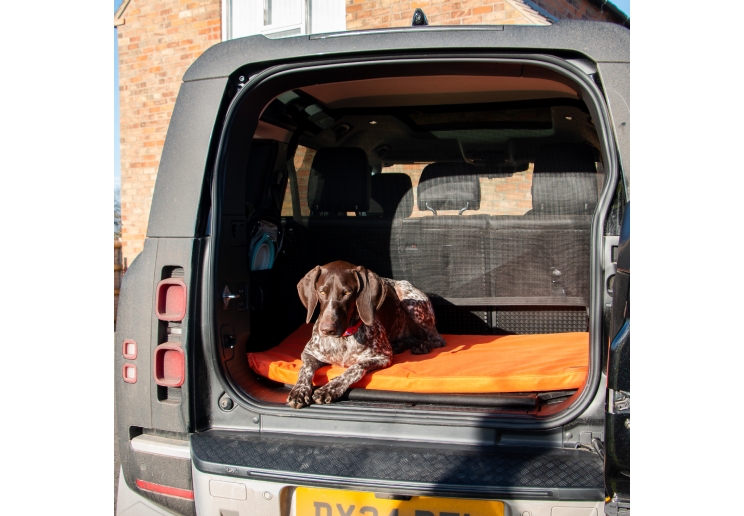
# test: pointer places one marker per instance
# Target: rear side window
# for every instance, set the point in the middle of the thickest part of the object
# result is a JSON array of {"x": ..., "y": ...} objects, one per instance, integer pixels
[{"x": 509, "y": 195}]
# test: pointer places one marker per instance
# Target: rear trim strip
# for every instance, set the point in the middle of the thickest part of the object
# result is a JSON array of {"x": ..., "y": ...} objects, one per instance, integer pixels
[{"x": 162, "y": 446}]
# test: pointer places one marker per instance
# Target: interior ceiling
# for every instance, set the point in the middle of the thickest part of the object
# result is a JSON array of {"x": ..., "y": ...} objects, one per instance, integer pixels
[
  {"x": 473, "y": 135},
  {"x": 436, "y": 90}
]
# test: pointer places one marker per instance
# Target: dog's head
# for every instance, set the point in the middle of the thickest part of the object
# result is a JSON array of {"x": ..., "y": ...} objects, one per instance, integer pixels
[{"x": 343, "y": 290}]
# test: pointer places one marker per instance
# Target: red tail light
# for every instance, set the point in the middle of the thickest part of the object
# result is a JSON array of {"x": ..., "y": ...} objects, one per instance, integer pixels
[
  {"x": 170, "y": 300},
  {"x": 170, "y": 365}
]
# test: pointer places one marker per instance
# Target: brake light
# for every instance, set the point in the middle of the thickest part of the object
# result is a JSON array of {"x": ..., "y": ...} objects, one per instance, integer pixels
[{"x": 170, "y": 365}]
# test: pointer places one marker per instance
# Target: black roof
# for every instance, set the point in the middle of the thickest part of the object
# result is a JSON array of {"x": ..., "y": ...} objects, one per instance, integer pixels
[{"x": 599, "y": 41}]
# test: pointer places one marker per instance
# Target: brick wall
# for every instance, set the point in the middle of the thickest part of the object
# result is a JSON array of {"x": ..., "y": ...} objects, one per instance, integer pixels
[
  {"x": 576, "y": 10},
  {"x": 157, "y": 43},
  {"x": 499, "y": 196},
  {"x": 375, "y": 14}
]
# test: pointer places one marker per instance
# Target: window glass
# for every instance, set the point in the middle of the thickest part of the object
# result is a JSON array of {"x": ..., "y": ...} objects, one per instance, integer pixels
[
  {"x": 303, "y": 159},
  {"x": 499, "y": 196}
]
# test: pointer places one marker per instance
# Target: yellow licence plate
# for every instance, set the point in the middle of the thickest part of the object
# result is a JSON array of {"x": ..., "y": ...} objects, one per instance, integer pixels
[{"x": 330, "y": 502}]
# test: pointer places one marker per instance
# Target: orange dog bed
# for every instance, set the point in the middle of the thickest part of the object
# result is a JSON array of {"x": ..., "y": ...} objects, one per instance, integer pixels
[{"x": 468, "y": 364}]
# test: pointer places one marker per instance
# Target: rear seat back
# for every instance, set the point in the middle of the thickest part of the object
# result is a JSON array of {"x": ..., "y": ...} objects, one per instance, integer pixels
[
  {"x": 444, "y": 255},
  {"x": 339, "y": 182},
  {"x": 564, "y": 181},
  {"x": 380, "y": 232},
  {"x": 391, "y": 196},
  {"x": 449, "y": 186},
  {"x": 545, "y": 253}
]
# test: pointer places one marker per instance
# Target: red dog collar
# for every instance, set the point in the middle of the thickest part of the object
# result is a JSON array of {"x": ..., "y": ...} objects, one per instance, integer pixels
[{"x": 351, "y": 330}]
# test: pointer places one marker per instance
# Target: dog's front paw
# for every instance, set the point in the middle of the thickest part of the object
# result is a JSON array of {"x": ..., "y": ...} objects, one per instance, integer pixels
[
  {"x": 327, "y": 394},
  {"x": 300, "y": 396}
]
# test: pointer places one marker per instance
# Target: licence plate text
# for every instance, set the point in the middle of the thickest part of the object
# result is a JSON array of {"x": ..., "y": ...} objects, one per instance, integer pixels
[{"x": 331, "y": 502}]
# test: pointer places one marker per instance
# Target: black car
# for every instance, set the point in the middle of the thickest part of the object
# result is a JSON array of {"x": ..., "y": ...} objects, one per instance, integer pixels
[{"x": 493, "y": 175}]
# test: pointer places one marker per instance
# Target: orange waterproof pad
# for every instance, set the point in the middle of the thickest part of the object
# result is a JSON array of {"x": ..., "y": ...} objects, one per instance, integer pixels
[{"x": 468, "y": 364}]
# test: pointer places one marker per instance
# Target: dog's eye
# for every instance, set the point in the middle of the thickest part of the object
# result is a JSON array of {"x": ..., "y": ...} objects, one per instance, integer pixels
[
  {"x": 346, "y": 292},
  {"x": 322, "y": 293}
]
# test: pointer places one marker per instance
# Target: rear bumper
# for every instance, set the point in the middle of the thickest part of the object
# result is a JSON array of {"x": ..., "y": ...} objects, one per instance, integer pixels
[
  {"x": 221, "y": 494},
  {"x": 131, "y": 503},
  {"x": 500, "y": 472}
]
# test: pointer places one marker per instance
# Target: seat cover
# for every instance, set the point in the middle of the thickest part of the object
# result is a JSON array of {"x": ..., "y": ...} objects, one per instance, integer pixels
[{"x": 468, "y": 364}]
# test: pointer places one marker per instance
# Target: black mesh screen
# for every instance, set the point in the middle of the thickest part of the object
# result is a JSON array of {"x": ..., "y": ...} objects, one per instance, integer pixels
[
  {"x": 497, "y": 262},
  {"x": 459, "y": 320},
  {"x": 446, "y": 255},
  {"x": 539, "y": 321},
  {"x": 540, "y": 256}
]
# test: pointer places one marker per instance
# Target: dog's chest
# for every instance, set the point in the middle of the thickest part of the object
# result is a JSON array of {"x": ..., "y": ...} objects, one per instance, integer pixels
[{"x": 346, "y": 351}]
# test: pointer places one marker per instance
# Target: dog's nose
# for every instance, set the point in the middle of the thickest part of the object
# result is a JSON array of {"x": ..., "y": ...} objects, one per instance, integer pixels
[{"x": 327, "y": 329}]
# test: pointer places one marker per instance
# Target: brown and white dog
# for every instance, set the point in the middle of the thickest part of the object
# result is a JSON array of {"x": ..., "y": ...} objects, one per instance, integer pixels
[{"x": 363, "y": 320}]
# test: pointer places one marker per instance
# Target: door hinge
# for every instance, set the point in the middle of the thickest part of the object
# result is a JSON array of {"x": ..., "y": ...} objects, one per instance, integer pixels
[{"x": 618, "y": 401}]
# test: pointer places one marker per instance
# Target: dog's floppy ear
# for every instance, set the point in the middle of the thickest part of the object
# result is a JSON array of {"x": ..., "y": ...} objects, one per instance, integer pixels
[
  {"x": 306, "y": 290},
  {"x": 371, "y": 294}
]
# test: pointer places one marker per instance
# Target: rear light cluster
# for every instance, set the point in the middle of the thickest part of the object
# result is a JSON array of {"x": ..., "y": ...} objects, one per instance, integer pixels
[
  {"x": 170, "y": 307},
  {"x": 170, "y": 300},
  {"x": 169, "y": 360},
  {"x": 170, "y": 365}
]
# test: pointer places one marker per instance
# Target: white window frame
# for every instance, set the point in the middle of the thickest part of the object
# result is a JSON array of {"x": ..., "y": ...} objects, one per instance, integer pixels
[{"x": 333, "y": 19}]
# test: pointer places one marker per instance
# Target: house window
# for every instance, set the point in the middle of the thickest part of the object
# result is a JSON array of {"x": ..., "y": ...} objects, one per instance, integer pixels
[{"x": 281, "y": 18}]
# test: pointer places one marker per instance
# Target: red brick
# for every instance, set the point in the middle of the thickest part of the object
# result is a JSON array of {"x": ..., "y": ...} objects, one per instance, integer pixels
[
  {"x": 472, "y": 20},
  {"x": 460, "y": 14}
]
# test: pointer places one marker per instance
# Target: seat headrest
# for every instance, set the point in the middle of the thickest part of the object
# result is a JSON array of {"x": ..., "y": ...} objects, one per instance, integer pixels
[
  {"x": 564, "y": 180},
  {"x": 568, "y": 193},
  {"x": 565, "y": 157},
  {"x": 339, "y": 181},
  {"x": 449, "y": 186},
  {"x": 392, "y": 196}
]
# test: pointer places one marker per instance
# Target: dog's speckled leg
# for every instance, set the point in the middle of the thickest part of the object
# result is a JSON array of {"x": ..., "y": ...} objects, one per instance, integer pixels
[
  {"x": 419, "y": 308},
  {"x": 336, "y": 388},
  {"x": 301, "y": 394}
]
